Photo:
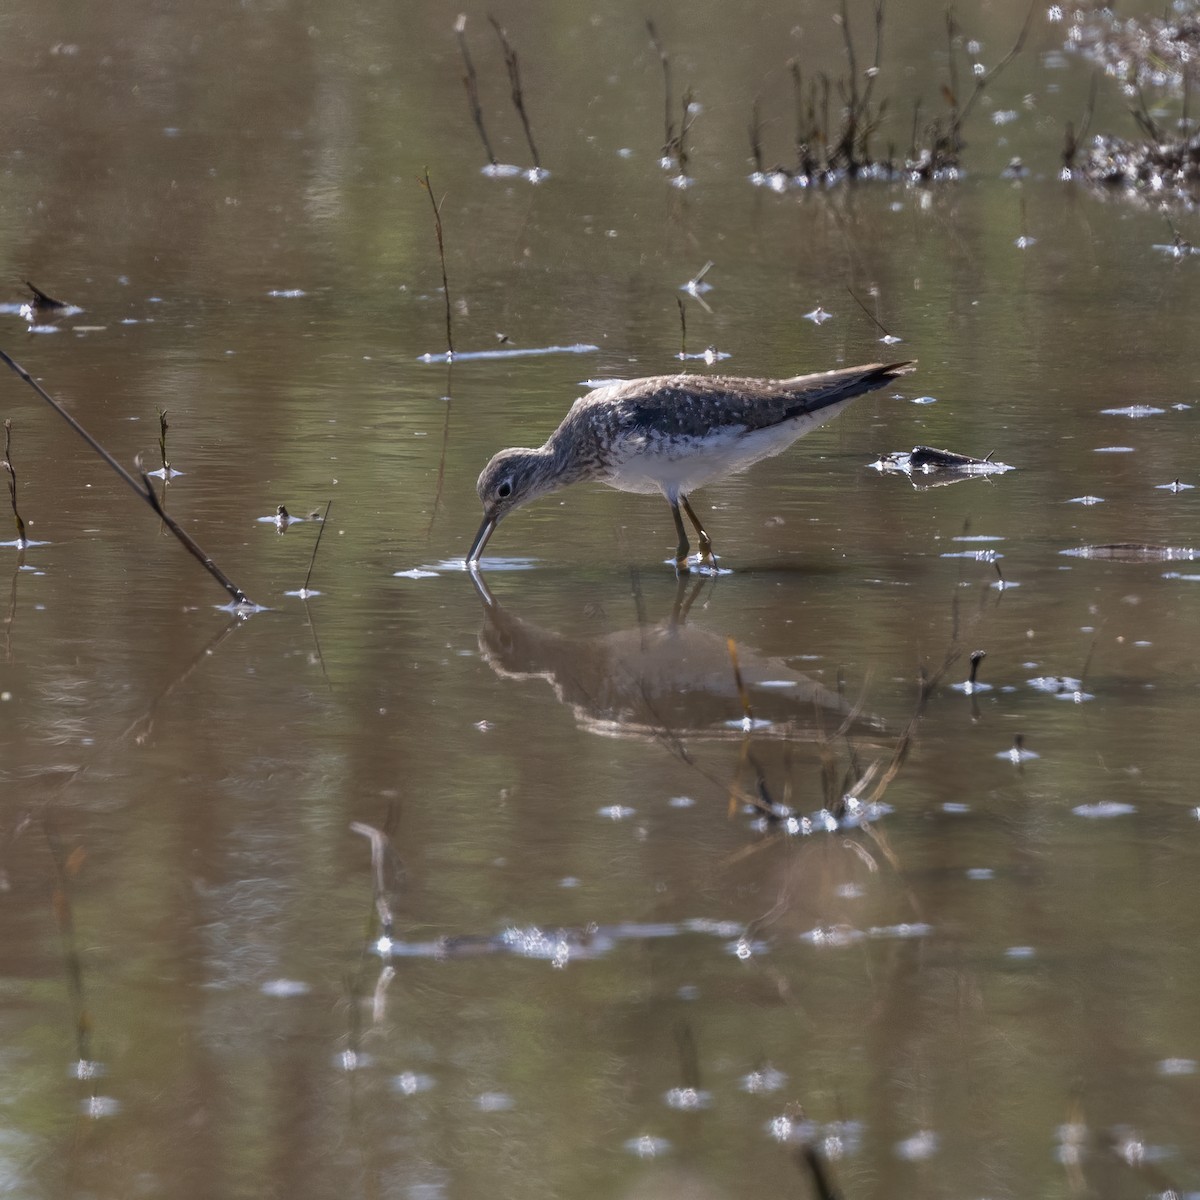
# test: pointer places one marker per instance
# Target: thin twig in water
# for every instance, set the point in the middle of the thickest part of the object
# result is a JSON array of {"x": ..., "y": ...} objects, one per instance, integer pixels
[
  {"x": 22, "y": 541},
  {"x": 437, "y": 225},
  {"x": 514, "y": 78},
  {"x": 316, "y": 546},
  {"x": 381, "y": 851},
  {"x": 756, "y": 136},
  {"x": 144, "y": 489},
  {"x": 441, "y": 475},
  {"x": 668, "y": 124},
  {"x": 982, "y": 80},
  {"x": 871, "y": 316},
  {"x": 162, "y": 442},
  {"x": 682, "y": 337},
  {"x": 471, "y": 83}
]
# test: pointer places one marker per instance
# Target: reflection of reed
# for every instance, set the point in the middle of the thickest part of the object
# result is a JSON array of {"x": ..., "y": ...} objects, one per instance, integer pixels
[{"x": 654, "y": 679}]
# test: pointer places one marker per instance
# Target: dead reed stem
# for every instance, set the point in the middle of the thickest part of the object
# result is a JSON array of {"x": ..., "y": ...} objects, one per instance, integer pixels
[
  {"x": 437, "y": 226},
  {"x": 143, "y": 489}
]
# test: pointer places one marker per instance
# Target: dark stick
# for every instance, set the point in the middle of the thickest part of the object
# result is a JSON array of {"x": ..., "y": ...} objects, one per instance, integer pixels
[
  {"x": 809, "y": 1158},
  {"x": 668, "y": 124},
  {"x": 316, "y": 546},
  {"x": 877, "y": 322},
  {"x": 12, "y": 485},
  {"x": 983, "y": 80},
  {"x": 144, "y": 490},
  {"x": 514, "y": 79},
  {"x": 471, "y": 83},
  {"x": 682, "y": 344},
  {"x": 756, "y": 136},
  {"x": 162, "y": 442},
  {"x": 437, "y": 225},
  {"x": 685, "y": 124},
  {"x": 441, "y": 475}
]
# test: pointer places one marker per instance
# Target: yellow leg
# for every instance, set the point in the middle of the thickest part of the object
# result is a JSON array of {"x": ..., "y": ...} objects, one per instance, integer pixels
[
  {"x": 681, "y": 551},
  {"x": 707, "y": 558}
]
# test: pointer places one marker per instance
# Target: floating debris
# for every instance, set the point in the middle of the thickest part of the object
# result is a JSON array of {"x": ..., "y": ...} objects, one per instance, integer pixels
[
  {"x": 616, "y": 812},
  {"x": 647, "y": 1146},
  {"x": 411, "y": 1083},
  {"x": 1135, "y": 412},
  {"x": 1133, "y": 552},
  {"x": 687, "y": 1099},
  {"x": 927, "y": 460},
  {"x": 1177, "y": 249},
  {"x": 818, "y": 316},
  {"x": 1062, "y": 687},
  {"x": 765, "y": 1079},
  {"x": 45, "y": 308},
  {"x": 1174, "y": 486},
  {"x": 1086, "y": 500},
  {"x": 514, "y": 352},
  {"x": 1113, "y": 450},
  {"x": 1018, "y": 754},
  {"x": 696, "y": 285},
  {"x": 919, "y": 1147},
  {"x": 1103, "y": 809},
  {"x": 285, "y": 988}
]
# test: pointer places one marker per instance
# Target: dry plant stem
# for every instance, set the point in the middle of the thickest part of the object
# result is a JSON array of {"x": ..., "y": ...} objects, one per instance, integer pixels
[
  {"x": 809, "y": 1159},
  {"x": 12, "y": 485},
  {"x": 518, "y": 97},
  {"x": 755, "y": 131},
  {"x": 682, "y": 344},
  {"x": 316, "y": 546},
  {"x": 471, "y": 83},
  {"x": 441, "y": 475},
  {"x": 668, "y": 124},
  {"x": 437, "y": 226},
  {"x": 143, "y": 489},
  {"x": 987, "y": 77},
  {"x": 870, "y": 316},
  {"x": 379, "y": 853},
  {"x": 162, "y": 441}
]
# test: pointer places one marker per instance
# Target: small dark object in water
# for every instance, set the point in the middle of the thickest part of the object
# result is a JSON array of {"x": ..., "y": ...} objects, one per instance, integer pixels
[
  {"x": 927, "y": 460},
  {"x": 43, "y": 303},
  {"x": 670, "y": 434}
]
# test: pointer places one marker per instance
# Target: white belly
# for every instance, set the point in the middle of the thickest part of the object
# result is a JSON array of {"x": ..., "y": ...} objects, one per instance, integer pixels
[{"x": 649, "y": 463}]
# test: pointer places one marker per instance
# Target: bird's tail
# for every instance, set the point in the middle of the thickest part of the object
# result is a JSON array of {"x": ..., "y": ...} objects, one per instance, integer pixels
[{"x": 811, "y": 393}]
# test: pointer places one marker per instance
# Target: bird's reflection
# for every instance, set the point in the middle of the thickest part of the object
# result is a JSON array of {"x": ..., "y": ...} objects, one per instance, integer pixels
[{"x": 668, "y": 677}]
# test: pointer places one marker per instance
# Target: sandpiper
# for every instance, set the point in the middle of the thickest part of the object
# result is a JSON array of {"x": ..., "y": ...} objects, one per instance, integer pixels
[{"x": 670, "y": 434}]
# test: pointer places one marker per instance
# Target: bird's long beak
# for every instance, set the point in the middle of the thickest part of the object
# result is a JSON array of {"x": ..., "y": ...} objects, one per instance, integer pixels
[{"x": 481, "y": 538}]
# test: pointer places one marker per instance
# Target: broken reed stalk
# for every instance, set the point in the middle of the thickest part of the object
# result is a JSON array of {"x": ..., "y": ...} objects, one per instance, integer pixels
[
  {"x": 380, "y": 851},
  {"x": 437, "y": 226},
  {"x": 143, "y": 489},
  {"x": 471, "y": 83},
  {"x": 809, "y": 1159},
  {"x": 743, "y": 695},
  {"x": 514, "y": 78},
  {"x": 668, "y": 124},
  {"x": 162, "y": 442},
  {"x": 682, "y": 341},
  {"x": 22, "y": 541},
  {"x": 870, "y": 315},
  {"x": 756, "y": 136},
  {"x": 981, "y": 80},
  {"x": 312, "y": 562},
  {"x": 685, "y": 124}
]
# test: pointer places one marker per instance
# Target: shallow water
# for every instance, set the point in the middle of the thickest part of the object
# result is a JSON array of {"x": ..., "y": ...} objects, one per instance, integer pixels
[{"x": 605, "y": 974}]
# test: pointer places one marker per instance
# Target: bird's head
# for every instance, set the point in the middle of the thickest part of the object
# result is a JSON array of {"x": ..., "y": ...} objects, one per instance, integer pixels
[{"x": 511, "y": 479}]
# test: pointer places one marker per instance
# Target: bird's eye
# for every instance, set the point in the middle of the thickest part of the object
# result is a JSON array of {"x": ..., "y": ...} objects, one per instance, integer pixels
[{"x": 504, "y": 490}]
